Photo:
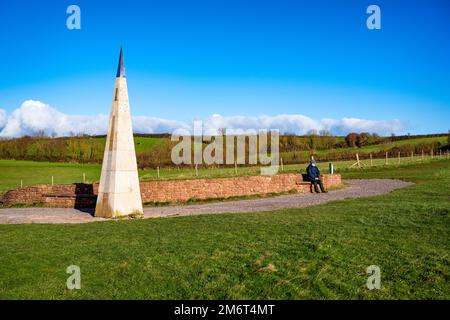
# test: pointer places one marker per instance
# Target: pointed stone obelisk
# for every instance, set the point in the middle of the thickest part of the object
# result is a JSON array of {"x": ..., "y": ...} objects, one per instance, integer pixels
[{"x": 119, "y": 193}]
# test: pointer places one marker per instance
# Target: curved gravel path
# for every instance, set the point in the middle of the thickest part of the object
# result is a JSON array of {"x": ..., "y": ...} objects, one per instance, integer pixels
[{"x": 354, "y": 189}]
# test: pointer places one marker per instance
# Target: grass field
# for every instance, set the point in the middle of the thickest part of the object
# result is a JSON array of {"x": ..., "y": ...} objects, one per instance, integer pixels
[
  {"x": 147, "y": 143},
  {"x": 12, "y": 172},
  {"x": 365, "y": 150},
  {"x": 140, "y": 143},
  {"x": 317, "y": 252},
  {"x": 34, "y": 172}
]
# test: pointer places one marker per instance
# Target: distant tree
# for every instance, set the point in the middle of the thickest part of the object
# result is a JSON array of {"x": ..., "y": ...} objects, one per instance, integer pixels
[
  {"x": 313, "y": 139},
  {"x": 325, "y": 133},
  {"x": 374, "y": 138},
  {"x": 351, "y": 139},
  {"x": 362, "y": 139},
  {"x": 40, "y": 134}
]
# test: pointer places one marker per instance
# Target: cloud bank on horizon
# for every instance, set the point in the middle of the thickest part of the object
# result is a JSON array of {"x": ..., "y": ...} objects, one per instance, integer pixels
[{"x": 35, "y": 117}]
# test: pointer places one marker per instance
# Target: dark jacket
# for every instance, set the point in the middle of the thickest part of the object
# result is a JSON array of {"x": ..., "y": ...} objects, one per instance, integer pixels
[{"x": 312, "y": 172}]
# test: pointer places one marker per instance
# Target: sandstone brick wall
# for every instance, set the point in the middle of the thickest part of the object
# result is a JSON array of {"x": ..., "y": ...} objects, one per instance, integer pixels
[
  {"x": 40, "y": 194},
  {"x": 84, "y": 195},
  {"x": 331, "y": 180}
]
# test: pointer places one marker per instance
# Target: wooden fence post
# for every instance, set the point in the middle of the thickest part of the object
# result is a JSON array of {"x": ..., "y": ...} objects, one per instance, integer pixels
[
  {"x": 371, "y": 160},
  {"x": 235, "y": 167},
  {"x": 386, "y": 162},
  {"x": 52, "y": 181},
  {"x": 281, "y": 162},
  {"x": 84, "y": 178},
  {"x": 196, "y": 170},
  {"x": 422, "y": 155},
  {"x": 357, "y": 163},
  {"x": 399, "y": 158},
  {"x": 157, "y": 171}
]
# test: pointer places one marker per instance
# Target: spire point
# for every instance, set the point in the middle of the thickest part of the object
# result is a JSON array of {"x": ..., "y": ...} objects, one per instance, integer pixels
[{"x": 121, "y": 66}]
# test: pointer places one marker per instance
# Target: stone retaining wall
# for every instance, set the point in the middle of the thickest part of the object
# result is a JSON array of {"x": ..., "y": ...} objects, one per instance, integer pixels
[{"x": 84, "y": 195}]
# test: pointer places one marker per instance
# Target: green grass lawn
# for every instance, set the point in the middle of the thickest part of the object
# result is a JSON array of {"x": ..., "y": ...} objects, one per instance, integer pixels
[
  {"x": 34, "y": 172},
  {"x": 319, "y": 252},
  {"x": 12, "y": 172}
]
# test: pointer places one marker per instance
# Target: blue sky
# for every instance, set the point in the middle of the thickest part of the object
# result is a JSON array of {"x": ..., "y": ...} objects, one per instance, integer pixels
[{"x": 192, "y": 59}]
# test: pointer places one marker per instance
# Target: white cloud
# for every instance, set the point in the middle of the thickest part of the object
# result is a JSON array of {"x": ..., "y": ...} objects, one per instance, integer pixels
[
  {"x": 33, "y": 117},
  {"x": 142, "y": 124},
  {"x": 294, "y": 123},
  {"x": 346, "y": 125},
  {"x": 300, "y": 124},
  {"x": 2, "y": 119}
]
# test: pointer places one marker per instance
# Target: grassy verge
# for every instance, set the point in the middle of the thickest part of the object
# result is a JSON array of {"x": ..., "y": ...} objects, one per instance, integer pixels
[
  {"x": 316, "y": 252},
  {"x": 22, "y": 205}
]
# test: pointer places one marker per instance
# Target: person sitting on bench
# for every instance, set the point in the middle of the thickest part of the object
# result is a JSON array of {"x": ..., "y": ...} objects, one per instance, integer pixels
[{"x": 313, "y": 174}]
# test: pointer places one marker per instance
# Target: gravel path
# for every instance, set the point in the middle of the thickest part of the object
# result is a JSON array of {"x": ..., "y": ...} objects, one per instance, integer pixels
[{"x": 354, "y": 189}]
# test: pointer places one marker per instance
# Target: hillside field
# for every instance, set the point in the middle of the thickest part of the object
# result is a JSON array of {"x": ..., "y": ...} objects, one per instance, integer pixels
[{"x": 155, "y": 150}]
